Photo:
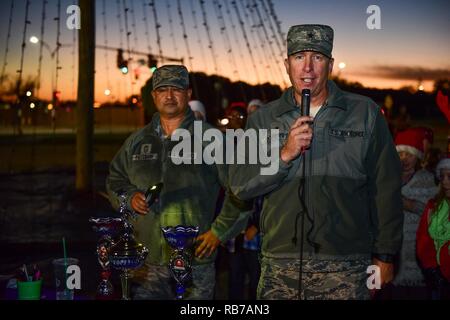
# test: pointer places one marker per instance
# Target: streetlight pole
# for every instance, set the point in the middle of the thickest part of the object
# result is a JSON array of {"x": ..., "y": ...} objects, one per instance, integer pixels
[{"x": 85, "y": 99}]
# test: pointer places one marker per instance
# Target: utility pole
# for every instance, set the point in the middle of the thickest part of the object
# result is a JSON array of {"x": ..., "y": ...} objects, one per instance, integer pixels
[{"x": 85, "y": 99}]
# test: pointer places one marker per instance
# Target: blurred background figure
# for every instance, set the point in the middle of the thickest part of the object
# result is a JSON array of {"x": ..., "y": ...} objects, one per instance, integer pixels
[
  {"x": 198, "y": 108},
  {"x": 402, "y": 121},
  {"x": 418, "y": 187},
  {"x": 237, "y": 116},
  {"x": 243, "y": 262},
  {"x": 431, "y": 155},
  {"x": 433, "y": 236},
  {"x": 243, "y": 258},
  {"x": 253, "y": 105},
  {"x": 427, "y": 136}
]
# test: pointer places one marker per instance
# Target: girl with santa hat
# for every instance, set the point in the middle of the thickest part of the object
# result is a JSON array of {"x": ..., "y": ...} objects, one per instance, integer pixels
[{"x": 418, "y": 187}]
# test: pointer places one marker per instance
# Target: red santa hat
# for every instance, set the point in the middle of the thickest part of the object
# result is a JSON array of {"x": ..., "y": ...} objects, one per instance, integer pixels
[
  {"x": 410, "y": 141},
  {"x": 426, "y": 133}
]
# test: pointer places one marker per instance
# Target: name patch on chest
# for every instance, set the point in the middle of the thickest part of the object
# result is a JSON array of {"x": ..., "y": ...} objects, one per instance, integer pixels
[
  {"x": 346, "y": 133},
  {"x": 145, "y": 153}
]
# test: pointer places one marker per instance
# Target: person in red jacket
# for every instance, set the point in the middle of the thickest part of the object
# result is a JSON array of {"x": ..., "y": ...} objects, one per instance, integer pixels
[{"x": 433, "y": 236}]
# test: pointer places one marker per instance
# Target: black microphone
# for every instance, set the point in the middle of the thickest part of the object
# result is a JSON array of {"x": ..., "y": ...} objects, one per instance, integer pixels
[
  {"x": 152, "y": 193},
  {"x": 306, "y": 102}
]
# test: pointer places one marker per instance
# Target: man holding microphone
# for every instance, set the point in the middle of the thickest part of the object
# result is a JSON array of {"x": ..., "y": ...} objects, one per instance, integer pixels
[{"x": 334, "y": 206}]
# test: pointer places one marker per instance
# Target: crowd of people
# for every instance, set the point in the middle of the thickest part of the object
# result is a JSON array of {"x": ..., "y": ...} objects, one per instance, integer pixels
[{"x": 348, "y": 193}]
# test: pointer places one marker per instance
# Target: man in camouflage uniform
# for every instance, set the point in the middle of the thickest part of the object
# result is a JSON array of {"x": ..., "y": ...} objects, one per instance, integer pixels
[
  {"x": 352, "y": 212},
  {"x": 188, "y": 196}
]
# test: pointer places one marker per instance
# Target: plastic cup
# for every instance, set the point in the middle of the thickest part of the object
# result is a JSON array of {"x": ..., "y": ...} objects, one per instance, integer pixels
[
  {"x": 29, "y": 290},
  {"x": 60, "y": 270}
]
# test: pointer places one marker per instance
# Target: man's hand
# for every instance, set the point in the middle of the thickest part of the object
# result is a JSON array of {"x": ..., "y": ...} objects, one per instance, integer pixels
[
  {"x": 209, "y": 243},
  {"x": 250, "y": 233},
  {"x": 386, "y": 273},
  {"x": 299, "y": 139},
  {"x": 139, "y": 204}
]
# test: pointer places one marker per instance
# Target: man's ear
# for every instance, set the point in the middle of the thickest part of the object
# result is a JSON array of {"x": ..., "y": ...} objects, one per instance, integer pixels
[
  {"x": 286, "y": 64},
  {"x": 153, "y": 95},
  {"x": 330, "y": 65},
  {"x": 189, "y": 92}
]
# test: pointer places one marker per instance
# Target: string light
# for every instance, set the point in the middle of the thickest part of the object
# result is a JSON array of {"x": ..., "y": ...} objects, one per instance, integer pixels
[
  {"x": 157, "y": 26},
  {"x": 5, "y": 59},
  {"x": 208, "y": 34},
  {"x": 169, "y": 15},
  {"x": 199, "y": 38},
  {"x": 272, "y": 29},
  {"x": 41, "y": 47},
  {"x": 247, "y": 43},
  {"x": 105, "y": 34},
  {"x": 271, "y": 56}
]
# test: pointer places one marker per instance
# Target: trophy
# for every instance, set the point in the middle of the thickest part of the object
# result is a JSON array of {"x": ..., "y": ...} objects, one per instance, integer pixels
[
  {"x": 119, "y": 249},
  {"x": 108, "y": 229},
  {"x": 180, "y": 238}
]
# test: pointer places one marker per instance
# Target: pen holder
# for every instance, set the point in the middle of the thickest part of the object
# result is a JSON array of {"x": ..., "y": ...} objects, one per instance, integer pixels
[{"x": 29, "y": 290}]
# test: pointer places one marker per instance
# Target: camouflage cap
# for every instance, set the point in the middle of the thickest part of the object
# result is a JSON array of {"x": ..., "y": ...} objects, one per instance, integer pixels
[
  {"x": 310, "y": 37},
  {"x": 171, "y": 75}
]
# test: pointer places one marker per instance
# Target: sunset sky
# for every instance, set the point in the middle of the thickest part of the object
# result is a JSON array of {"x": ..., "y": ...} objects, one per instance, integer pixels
[{"x": 413, "y": 43}]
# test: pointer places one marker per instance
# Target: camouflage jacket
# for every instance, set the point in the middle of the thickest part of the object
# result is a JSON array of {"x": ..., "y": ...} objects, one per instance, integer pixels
[
  {"x": 188, "y": 196},
  {"x": 352, "y": 189}
]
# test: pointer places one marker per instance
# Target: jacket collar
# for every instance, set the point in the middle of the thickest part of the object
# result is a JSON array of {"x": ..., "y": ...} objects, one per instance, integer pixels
[
  {"x": 155, "y": 124},
  {"x": 334, "y": 100}
]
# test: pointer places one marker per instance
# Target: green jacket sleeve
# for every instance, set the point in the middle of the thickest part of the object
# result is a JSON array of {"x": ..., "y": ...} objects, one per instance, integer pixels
[
  {"x": 246, "y": 180},
  {"x": 232, "y": 219},
  {"x": 384, "y": 178},
  {"x": 235, "y": 213},
  {"x": 117, "y": 181}
]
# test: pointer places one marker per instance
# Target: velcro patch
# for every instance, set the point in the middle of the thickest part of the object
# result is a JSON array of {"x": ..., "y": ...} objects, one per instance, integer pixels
[{"x": 346, "y": 133}]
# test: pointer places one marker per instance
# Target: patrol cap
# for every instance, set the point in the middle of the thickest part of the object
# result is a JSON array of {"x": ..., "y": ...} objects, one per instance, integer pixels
[
  {"x": 310, "y": 37},
  {"x": 171, "y": 75}
]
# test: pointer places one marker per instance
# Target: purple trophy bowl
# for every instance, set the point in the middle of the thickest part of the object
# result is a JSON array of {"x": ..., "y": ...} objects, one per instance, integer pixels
[
  {"x": 107, "y": 226},
  {"x": 180, "y": 238},
  {"x": 108, "y": 229}
]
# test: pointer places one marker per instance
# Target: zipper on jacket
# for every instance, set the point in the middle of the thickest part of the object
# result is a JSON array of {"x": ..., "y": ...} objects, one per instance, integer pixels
[
  {"x": 309, "y": 170},
  {"x": 163, "y": 170}
]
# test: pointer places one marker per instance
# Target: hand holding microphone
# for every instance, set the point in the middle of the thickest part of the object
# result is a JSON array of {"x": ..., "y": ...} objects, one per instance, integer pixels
[
  {"x": 300, "y": 133},
  {"x": 141, "y": 203}
]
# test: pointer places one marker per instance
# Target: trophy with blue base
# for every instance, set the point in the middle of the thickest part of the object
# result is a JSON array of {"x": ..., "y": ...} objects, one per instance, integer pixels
[
  {"x": 181, "y": 239},
  {"x": 117, "y": 248}
]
